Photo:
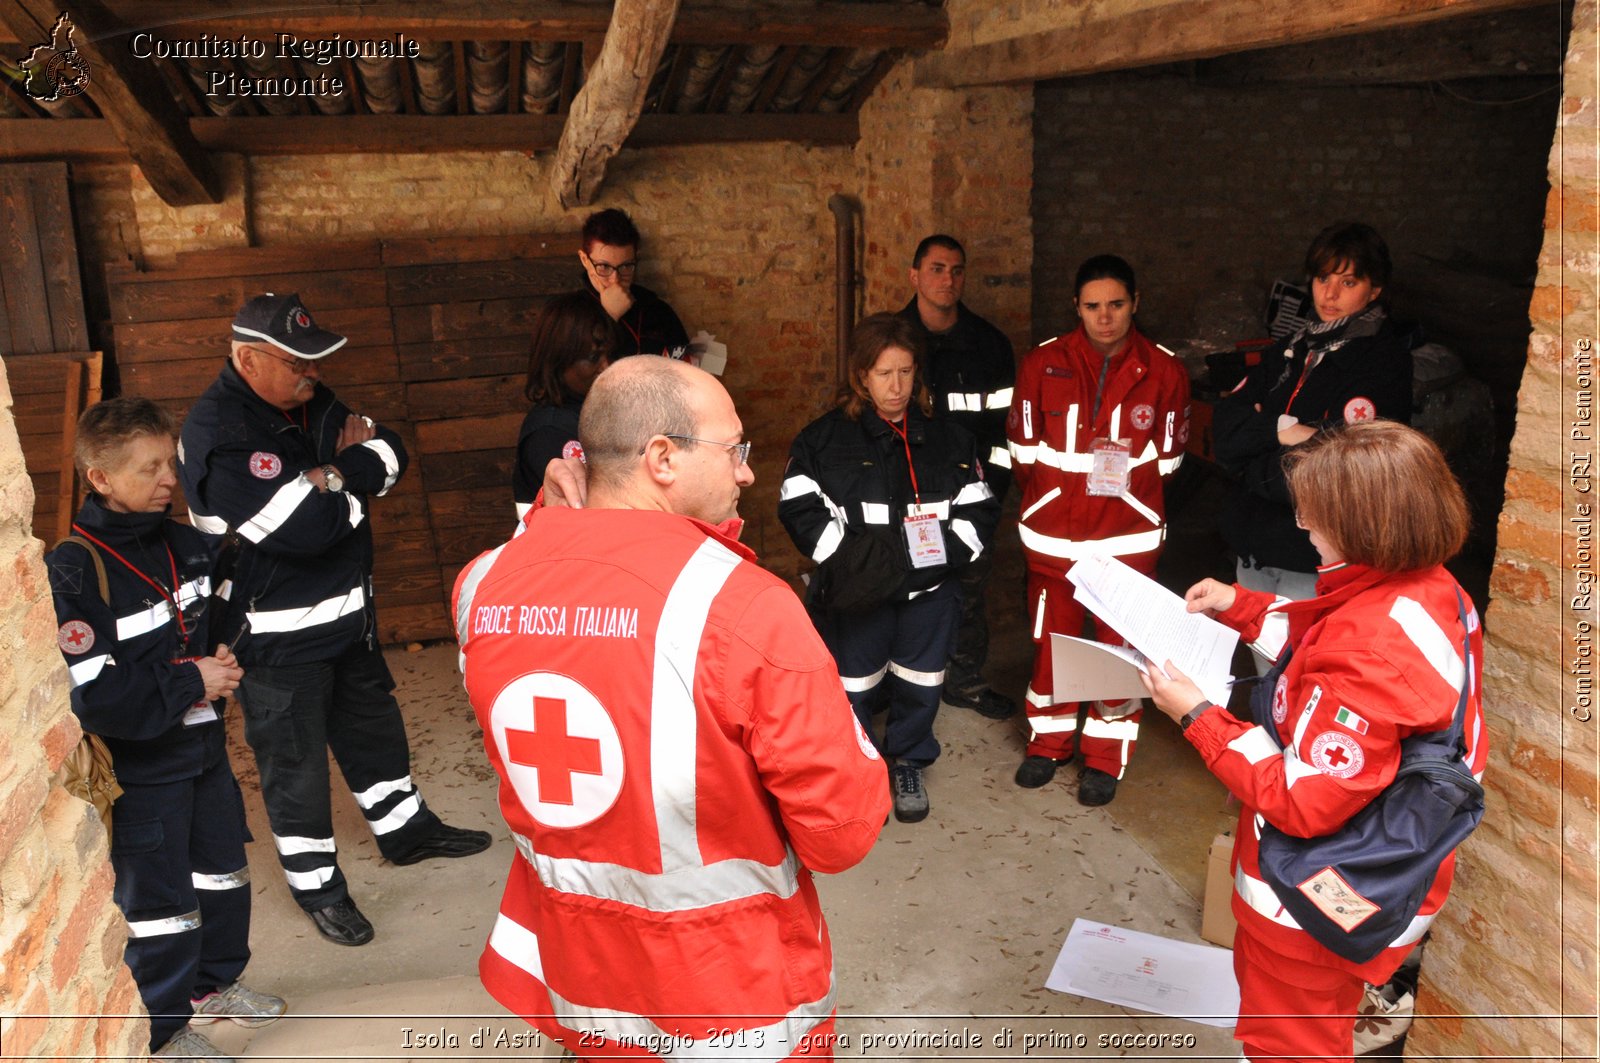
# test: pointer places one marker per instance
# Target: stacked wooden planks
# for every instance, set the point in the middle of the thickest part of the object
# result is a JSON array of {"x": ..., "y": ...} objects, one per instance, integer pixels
[{"x": 438, "y": 337}]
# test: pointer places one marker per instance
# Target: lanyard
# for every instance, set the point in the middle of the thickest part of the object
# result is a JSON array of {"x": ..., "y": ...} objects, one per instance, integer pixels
[
  {"x": 912, "y": 469},
  {"x": 171, "y": 596},
  {"x": 636, "y": 333}
]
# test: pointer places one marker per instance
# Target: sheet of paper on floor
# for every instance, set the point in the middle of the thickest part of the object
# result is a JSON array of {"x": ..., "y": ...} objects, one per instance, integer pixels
[
  {"x": 1144, "y": 971},
  {"x": 1154, "y": 621},
  {"x": 1093, "y": 671}
]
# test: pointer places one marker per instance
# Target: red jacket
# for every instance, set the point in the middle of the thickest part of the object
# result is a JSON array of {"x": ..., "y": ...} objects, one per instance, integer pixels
[
  {"x": 675, "y": 751},
  {"x": 1377, "y": 658},
  {"x": 1052, "y": 428}
]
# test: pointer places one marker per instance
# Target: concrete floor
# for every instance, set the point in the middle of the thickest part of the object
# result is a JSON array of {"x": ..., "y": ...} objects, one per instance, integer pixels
[{"x": 951, "y": 924}]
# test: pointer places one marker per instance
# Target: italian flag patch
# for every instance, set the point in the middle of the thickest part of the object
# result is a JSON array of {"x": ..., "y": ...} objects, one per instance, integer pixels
[{"x": 1349, "y": 719}]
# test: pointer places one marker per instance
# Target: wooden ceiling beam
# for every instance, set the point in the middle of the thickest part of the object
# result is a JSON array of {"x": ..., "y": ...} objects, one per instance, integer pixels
[
  {"x": 131, "y": 97},
  {"x": 608, "y": 106},
  {"x": 1096, "y": 38},
  {"x": 828, "y": 23},
  {"x": 92, "y": 139}
]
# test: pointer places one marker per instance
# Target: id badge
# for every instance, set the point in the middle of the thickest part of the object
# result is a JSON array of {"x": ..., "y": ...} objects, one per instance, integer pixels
[
  {"x": 924, "y": 538},
  {"x": 1108, "y": 475},
  {"x": 201, "y": 711}
]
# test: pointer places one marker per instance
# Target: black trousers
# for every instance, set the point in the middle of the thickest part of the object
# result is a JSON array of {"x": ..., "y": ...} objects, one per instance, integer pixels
[
  {"x": 183, "y": 884},
  {"x": 294, "y": 716},
  {"x": 972, "y": 637}
]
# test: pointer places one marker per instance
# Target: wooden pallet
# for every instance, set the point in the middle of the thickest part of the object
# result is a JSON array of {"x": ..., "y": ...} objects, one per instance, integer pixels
[{"x": 49, "y": 392}]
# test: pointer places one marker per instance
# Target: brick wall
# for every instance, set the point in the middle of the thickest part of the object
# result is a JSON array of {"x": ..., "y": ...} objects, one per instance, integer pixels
[
  {"x": 60, "y": 936},
  {"x": 1518, "y": 936},
  {"x": 1212, "y": 190}
]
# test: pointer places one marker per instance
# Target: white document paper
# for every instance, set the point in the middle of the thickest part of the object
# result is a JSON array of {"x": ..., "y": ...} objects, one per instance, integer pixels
[
  {"x": 1093, "y": 671},
  {"x": 1154, "y": 621},
  {"x": 1147, "y": 972},
  {"x": 708, "y": 353}
]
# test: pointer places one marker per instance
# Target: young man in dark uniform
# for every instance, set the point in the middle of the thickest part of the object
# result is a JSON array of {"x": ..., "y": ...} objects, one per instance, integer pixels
[
  {"x": 610, "y": 257},
  {"x": 970, "y": 368}
]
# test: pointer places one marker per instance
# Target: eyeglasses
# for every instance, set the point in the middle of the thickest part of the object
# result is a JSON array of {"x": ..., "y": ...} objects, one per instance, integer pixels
[
  {"x": 606, "y": 269},
  {"x": 743, "y": 449},
  {"x": 301, "y": 366}
]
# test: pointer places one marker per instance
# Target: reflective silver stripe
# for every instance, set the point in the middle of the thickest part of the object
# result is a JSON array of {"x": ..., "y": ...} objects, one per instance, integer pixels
[
  {"x": 687, "y": 889},
  {"x": 875, "y": 512},
  {"x": 144, "y": 621},
  {"x": 1116, "y": 423},
  {"x": 469, "y": 589},
  {"x": 1068, "y": 461},
  {"x": 1037, "y": 700},
  {"x": 1072, "y": 549},
  {"x": 969, "y": 535},
  {"x": 232, "y": 880},
  {"x": 964, "y": 401},
  {"x": 84, "y": 671},
  {"x": 861, "y": 683},
  {"x": 999, "y": 400},
  {"x": 1274, "y": 630},
  {"x": 523, "y": 509},
  {"x": 772, "y": 1043},
  {"x": 279, "y": 508},
  {"x": 1045, "y": 725},
  {"x": 1255, "y": 745},
  {"x": 176, "y": 924},
  {"x": 797, "y": 485},
  {"x": 1168, "y": 466},
  {"x": 398, "y": 816},
  {"x": 193, "y": 590},
  {"x": 225, "y": 592},
  {"x": 921, "y": 679},
  {"x": 1295, "y": 769},
  {"x": 1000, "y": 456},
  {"x": 378, "y": 791},
  {"x": 391, "y": 462},
  {"x": 1072, "y": 426},
  {"x": 356, "y": 510},
  {"x": 309, "y": 880},
  {"x": 1024, "y": 453},
  {"x": 205, "y": 522},
  {"x": 1038, "y": 617},
  {"x": 1259, "y": 896},
  {"x": 674, "y": 721},
  {"x": 293, "y": 845},
  {"x": 972, "y": 493},
  {"x": 1429, "y": 638},
  {"x": 1044, "y": 500},
  {"x": 272, "y": 621},
  {"x": 828, "y": 542},
  {"x": 1117, "y": 730}
]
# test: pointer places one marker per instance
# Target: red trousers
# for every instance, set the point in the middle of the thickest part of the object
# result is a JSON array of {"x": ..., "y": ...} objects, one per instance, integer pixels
[
  {"x": 1291, "y": 1011},
  {"x": 1107, "y": 738}
]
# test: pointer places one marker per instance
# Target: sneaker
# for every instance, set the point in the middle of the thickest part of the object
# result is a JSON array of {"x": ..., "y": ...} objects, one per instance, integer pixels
[
  {"x": 238, "y": 1004},
  {"x": 1035, "y": 771},
  {"x": 189, "y": 1044},
  {"x": 342, "y": 923},
  {"x": 1095, "y": 787},
  {"x": 910, "y": 796},
  {"x": 446, "y": 841},
  {"x": 981, "y": 699}
]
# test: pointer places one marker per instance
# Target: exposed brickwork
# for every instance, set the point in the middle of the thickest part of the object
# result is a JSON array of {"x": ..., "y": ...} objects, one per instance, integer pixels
[
  {"x": 1518, "y": 934},
  {"x": 60, "y": 936}
]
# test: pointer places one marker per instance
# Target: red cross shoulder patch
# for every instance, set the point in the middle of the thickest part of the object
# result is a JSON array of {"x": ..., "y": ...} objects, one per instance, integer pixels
[
  {"x": 265, "y": 466},
  {"x": 1359, "y": 408},
  {"x": 1144, "y": 415},
  {"x": 75, "y": 637},
  {"x": 573, "y": 449},
  {"x": 1336, "y": 754}
]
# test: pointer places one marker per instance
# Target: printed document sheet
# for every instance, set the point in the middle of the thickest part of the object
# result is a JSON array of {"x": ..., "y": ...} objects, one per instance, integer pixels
[{"x": 1147, "y": 972}]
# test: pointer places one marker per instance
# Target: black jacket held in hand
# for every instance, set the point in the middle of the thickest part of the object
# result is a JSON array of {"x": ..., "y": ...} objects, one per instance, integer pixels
[
  {"x": 302, "y": 586},
  {"x": 128, "y": 653},
  {"x": 846, "y": 493},
  {"x": 1366, "y": 377}
]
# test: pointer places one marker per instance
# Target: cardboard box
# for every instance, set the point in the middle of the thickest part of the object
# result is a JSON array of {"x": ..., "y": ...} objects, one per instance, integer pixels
[{"x": 1217, "y": 924}]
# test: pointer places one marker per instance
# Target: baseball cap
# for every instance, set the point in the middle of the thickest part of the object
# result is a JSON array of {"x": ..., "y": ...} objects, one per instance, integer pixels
[{"x": 284, "y": 322}]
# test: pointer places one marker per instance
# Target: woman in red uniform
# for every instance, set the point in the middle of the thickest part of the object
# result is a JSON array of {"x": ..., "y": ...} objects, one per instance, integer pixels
[
  {"x": 1375, "y": 658},
  {"x": 1099, "y": 419}
]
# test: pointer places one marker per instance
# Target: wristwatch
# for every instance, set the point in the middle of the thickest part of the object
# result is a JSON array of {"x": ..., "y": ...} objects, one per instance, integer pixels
[
  {"x": 331, "y": 477},
  {"x": 1193, "y": 714}
]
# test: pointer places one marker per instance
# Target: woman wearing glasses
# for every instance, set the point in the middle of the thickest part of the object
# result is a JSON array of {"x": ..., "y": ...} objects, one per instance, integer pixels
[
  {"x": 890, "y": 505},
  {"x": 573, "y": 340}
]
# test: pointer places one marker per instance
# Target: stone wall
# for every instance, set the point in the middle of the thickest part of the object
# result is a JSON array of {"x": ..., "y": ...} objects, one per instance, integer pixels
[
  {"x": 60, "y": 936},
  {"x": 1518, "y": 936}
]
